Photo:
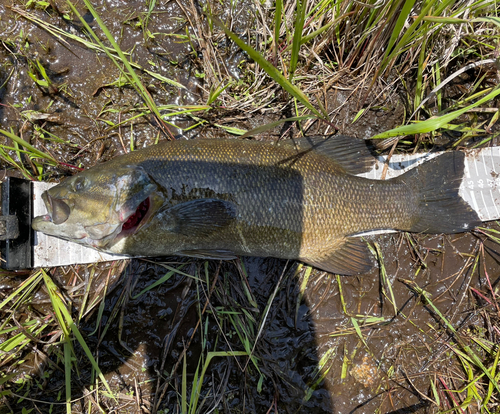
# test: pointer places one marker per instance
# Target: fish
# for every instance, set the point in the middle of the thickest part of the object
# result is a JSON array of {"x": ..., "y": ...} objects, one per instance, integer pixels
[{"x": 223, "y": 198}]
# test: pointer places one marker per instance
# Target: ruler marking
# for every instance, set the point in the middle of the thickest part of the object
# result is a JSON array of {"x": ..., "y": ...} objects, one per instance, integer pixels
[
  {"x": 485, "y": 206},
  {"x": 492, "y": 156},
  {"x": 59, "y": 250},
  {"x": 494, "y": 205},
  {"x": 466, "y": 167},
  {"x": 474, "y": 202},
  {"x": 484, "y": 163}
]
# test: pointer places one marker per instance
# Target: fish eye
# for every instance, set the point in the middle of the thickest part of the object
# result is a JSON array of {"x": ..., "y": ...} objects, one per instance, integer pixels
[{"x": 79, "y": 184}]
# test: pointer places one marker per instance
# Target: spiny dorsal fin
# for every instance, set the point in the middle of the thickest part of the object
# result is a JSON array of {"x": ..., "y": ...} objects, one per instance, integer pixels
[{"x": 351, "y": 258}]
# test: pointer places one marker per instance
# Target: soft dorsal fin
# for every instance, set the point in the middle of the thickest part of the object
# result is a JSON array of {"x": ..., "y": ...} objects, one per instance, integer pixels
[
  {"x": 352, "y": 154},
  {"x": 351, "y": 258}
]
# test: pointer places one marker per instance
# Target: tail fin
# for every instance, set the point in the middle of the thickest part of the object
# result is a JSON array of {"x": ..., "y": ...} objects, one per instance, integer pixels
[{"x": 440, "y": 208}]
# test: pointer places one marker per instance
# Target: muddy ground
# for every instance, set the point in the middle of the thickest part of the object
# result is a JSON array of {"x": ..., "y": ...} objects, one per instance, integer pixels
[{"x": 309, "y": 356}]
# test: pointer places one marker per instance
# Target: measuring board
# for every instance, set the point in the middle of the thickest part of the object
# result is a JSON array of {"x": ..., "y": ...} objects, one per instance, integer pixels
[{"x": 480, "y": 188}]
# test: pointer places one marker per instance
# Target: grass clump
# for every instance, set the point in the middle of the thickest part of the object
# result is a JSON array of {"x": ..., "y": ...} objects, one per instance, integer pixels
[{"x": 379, "y": 45}]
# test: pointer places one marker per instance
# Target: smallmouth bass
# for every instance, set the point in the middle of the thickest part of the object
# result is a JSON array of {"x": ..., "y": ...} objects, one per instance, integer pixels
[{"x": 222, "y": 198}]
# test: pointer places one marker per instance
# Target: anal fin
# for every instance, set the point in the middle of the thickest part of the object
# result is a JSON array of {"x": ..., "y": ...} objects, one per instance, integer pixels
[{"x": 351, "y": 258}]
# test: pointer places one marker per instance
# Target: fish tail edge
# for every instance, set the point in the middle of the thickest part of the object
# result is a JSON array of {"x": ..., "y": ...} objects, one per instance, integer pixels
[{"x": 439, "y": 208}]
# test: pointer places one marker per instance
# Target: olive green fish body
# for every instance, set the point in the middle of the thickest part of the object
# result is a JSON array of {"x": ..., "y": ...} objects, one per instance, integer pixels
[{"x": 218, "y": 198}]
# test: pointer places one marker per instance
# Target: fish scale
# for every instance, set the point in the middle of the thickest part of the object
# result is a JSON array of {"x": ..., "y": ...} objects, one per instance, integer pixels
[
  {"x": 281, "y": 188},
  {"x": 221, "y": 198},
  {"x": 240, "y": 176}
]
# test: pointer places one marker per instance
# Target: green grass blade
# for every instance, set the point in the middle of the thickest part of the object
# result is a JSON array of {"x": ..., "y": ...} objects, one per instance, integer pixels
[
  {"x": 166, "y": 277},
  {"x": 434, "y": 123},
  {"x": 403, "y": 15},
  {"x": 419, "y": 90},
  {"x": 407, "y": 36},
  {"x": 193, "y": 399},
  {"x": 215, "y": 92},
  {"x": 232, "y": 130},
  {"x": 130, "y": 75},
  {"x": 28, "y": 146},
  {"x": 151, "y": 7},
  {"x": 271, "y": 125},
  {"x": 358, "y": 115},
  {"x": 316, "y": 33},
  {"x": 277, "y": 25},
  {"x": 28, "y": 284},
  {"x": 493, "y": 373},
  {"x": 385, "y": 279},
  {"x": 67, "y": 373},
  {"x": 66, "y": 321},
  {"x": 59, "y": 33},
  {"x": 159, "y": 77},
  {"x": 358, "y": 331},
  {"x": 444, "y": 19},
  {"x": 345, "y": 363},
  {"x": 341, "y": 294},
  {"x": 274, "y": 73},
  {"x": 297, "y": 36},
  {"x": 488, "y": 19},
  {"x": 470, "y": 353},
  {"x": 440, "y": 85},
  {"x": 8, "y": 159},
  {"x": 184, "y": 386},
  {"x": 17, "y": 340}
]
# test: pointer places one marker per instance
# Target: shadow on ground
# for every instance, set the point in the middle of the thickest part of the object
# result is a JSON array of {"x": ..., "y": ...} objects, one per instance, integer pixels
[{"x": 327, "y": 344}]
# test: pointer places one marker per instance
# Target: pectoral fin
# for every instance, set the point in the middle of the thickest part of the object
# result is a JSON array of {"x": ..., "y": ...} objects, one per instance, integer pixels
[
  {"x": 200, "y": 217},
  {"x": 351, "y": 258}
]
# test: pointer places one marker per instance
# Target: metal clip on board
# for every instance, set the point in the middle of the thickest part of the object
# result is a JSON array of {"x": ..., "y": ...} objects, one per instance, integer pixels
[{"x": 16, "y": 247}]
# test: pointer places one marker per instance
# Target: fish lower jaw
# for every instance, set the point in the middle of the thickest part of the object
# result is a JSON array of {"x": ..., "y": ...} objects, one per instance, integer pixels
[
  {"x": 39, "y": 221},
  {"x": 117, "y": 247}
]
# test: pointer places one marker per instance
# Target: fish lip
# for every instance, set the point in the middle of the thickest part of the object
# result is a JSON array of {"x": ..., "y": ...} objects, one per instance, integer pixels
[
  {"x": 48, "y": 206},
  {"x": 38, "y": 220},
  {"x": 58, "y": 210}
]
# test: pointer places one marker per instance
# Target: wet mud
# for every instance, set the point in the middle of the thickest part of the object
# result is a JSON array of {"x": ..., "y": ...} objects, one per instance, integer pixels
[
  {"x": 386, "y": 367},
  {"x": 319, "y": 343}
]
